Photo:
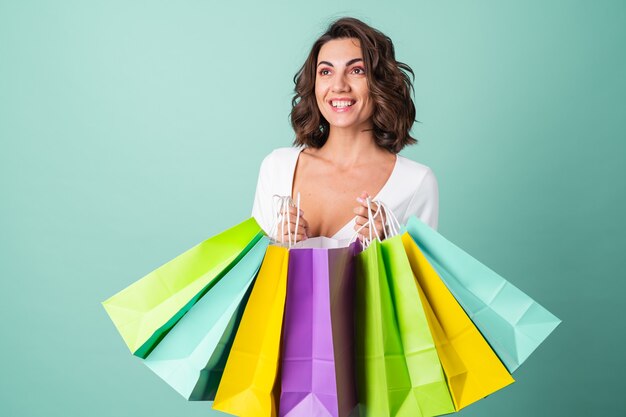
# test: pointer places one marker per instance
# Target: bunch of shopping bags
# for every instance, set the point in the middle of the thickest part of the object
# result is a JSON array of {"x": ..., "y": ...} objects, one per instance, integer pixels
[{"x": 407, "y": 325}]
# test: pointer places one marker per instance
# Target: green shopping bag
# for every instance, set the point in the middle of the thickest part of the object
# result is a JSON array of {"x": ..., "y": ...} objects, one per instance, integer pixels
[
  {"x": 146, "y": 310},
  {"x": 398, "y": 370}
]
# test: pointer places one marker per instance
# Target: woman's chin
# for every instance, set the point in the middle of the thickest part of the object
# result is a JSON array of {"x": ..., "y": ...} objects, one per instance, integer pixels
[{"x": 345, "y": 124}]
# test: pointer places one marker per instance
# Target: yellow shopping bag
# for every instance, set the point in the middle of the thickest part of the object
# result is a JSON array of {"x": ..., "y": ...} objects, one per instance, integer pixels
[
  {"x": 248, "y": 385},
  {"x": 471, "y": 367}
]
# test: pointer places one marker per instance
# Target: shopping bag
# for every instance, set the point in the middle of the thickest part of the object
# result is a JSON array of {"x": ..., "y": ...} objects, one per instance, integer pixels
[
  {"x": 472, "y": 369},
  {"x": 249, "y": 382},
  {"x": 513, "y": 323},
  {"x": 317, "y": 372},
  {"x": 191, "y": 357},
  {"x": 398, "y": 370},
  {"x": 146, "y": 310}
]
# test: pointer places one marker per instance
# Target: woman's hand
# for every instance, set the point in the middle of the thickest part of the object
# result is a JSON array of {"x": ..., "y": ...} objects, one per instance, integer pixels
[
  {"x": 282, "y": 230},
  {"x": 362, "y": 218}
]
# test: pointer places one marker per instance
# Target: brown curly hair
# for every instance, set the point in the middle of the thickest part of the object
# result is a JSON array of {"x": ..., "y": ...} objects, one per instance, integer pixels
[{"x": 389, "y": 87}]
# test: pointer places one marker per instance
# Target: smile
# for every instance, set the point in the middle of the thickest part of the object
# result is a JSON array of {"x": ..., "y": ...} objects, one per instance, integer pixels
[
  {"x": 341, "y": 106},
  {"x": 342, "y": 103}
]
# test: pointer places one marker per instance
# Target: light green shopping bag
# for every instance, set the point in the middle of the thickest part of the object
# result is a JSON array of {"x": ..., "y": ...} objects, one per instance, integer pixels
[
  {"x": 398, "y": 370},
  {"x": 146, "y": 310},
  {"x": 191, "y": 358}
]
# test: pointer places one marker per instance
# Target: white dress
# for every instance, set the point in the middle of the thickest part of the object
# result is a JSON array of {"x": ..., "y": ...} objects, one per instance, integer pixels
[{"x": 410, "y": 190}]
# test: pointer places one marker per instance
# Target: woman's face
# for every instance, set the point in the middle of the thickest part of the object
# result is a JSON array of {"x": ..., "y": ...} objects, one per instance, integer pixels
[{"x": 341, "y": 87}]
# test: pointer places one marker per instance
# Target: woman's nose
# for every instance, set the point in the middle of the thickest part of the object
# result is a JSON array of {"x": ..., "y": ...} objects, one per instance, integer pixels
[{"x": 339, "y": 83}]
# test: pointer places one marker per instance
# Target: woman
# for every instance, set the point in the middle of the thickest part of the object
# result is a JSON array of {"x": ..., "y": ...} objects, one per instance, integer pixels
[{"x": 352, "y": 113}]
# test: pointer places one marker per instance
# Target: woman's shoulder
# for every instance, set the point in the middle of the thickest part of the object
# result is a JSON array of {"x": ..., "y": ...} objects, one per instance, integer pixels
[
  {"x": 413, "y": 169},
  {"x": 278, "y": 166},
  {"x": 282, "y": 155}
]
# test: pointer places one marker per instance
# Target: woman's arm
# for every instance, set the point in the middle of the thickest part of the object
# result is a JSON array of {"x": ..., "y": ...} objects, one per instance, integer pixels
[
  {"x": 425, "y": 202},
  {"x": 262, "y": 207}
]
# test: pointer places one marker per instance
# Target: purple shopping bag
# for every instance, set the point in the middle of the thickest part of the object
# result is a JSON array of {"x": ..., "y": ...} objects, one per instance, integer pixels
[{"x": 317, "y": 372}]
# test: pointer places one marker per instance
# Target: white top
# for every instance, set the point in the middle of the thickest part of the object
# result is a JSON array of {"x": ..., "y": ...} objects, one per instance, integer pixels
[{"x": 410, "y": 190}]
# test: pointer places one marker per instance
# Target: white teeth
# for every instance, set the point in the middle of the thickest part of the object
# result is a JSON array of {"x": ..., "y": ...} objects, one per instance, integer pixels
[{"x": 342, "y": 103}]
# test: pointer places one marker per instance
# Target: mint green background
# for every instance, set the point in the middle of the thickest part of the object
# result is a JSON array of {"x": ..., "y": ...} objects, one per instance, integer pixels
[{"x": 132, "y": 130}]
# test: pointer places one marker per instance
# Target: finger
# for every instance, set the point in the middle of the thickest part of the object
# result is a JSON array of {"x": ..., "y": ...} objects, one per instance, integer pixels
[
  {"x": 289, "y": 212},
  {"x": 363, "y": 212},
  {"x": 361, "y": 200},
  {"x": 292, "y": 229},
  {"x": 292, "y": 220},
  {"x": 376, "y": 231},
  {"x": 378, "y": 220},
  {"x": 292, "y": 215},
  {"x": 364, "y": 196},
  {"x": 301, "y": 223},
  {"x": 360, "y": 220},
  {"x": 360, "y": 211},
  {"x": 301, "y": 230},
  {"x": 292, "y": 211},
  {"x": 363, "y": 204},
  {"x": 362, "y": 228}
]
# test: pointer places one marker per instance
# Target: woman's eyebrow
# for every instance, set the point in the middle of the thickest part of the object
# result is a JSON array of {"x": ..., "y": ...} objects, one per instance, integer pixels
[{"x": 352, "y": 61}]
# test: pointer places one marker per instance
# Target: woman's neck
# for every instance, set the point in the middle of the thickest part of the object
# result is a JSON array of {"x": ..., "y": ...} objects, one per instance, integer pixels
[{"x": 350, "y": 148}]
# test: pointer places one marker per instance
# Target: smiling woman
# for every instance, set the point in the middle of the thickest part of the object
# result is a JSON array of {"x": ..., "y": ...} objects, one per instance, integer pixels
[{"x": 352, "y": 113}]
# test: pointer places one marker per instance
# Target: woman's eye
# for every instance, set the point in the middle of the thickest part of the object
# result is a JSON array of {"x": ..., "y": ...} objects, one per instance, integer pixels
[{"x": 358, "y": 70}]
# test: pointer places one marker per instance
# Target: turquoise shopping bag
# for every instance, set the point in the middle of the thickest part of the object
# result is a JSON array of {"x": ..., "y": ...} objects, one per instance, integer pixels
[
  {"x": 192, "y": 355},
  {"x": 512, "y": 322}
]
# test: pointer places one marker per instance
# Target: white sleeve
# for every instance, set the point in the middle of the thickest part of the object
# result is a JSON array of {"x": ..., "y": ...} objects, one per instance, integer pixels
[
  {"x": 262, "y": 207},
  {"x": 425, "y": 201}
]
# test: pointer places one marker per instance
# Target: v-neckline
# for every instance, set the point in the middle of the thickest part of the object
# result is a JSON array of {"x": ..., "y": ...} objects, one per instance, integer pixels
[{"x": 376, "y": 197}]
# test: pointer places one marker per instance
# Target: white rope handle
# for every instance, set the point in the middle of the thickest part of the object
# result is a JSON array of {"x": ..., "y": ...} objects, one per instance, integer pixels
[
  {"x": 390, "y": 219},
  {"x": 370, "y": 222},
  {"x": 389, "y": 222},
  {"x": 297, "y": 219},
  {"x": 282, "y": 215},
  {"x": 278, "y": 204},
  {"x": 371, "y": 218}
]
